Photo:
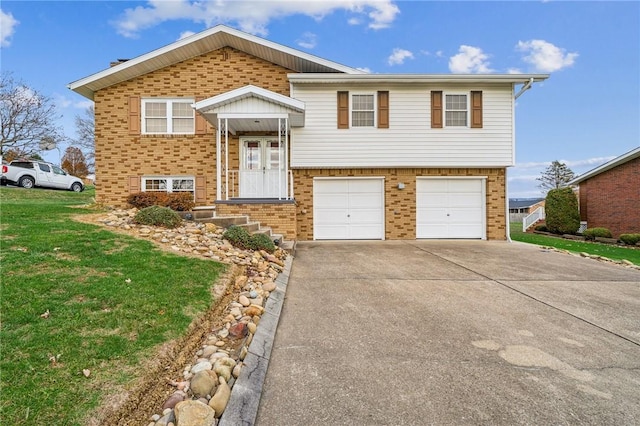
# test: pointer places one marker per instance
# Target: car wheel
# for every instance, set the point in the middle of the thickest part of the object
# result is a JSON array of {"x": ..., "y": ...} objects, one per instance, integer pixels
[
  {"x": 26, "y": 182},
  {"x": 76, "y": 187}
]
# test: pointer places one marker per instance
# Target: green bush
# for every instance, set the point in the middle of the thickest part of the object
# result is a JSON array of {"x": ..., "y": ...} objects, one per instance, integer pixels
[
  {"x": 158, "y": 216},
  {"x": 240, "y": 237},
  {"x": 592, "y": 233},
  {"x": 541, "y": 228},
  {"x": 562, "y": 214},
  {"x": 178, "y": 201},
  {"x": 237, "y": 236},
  {"x": 262, "y": 242},
  {"x": 630, "y": 239}
]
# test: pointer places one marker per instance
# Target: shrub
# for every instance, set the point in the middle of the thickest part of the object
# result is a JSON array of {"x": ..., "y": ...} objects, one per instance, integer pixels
[
  {"x": 541, "y": 228},
  {"x": 178, "y": 201},
  {"x": 240, "y": 237},
  {"x": 158, "y": 216},
  {"x": 237, "y": 236},
  {"x": 262, "y": 242},
  {"x": 592, "y": 233},
  {"x": 562, "y": 214},
  {"x": 630, "y": 239}
]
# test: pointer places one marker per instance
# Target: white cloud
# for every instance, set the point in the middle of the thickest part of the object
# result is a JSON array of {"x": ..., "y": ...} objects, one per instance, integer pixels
[
  {"x": 398, "y": 56},
  {"x": 251, "y": 16},
  {"x": 62, "y": 102},
  {"x": 7, "y": 28},
  {"x": 544, "y": 56},
  {"x": 365, "y": 69},
  {"x": 514, "y": 71},
  {"x": 469, "y": 60},
  {"x": 593, "y": 161},
  {"x": 185, "y": 34},
  {"x": 308, "y": 40}
]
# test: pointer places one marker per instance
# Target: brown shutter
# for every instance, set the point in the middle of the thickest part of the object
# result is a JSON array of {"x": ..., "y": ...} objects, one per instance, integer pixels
[
  {"x": 134, "y": 115},
  {"x": 476, "y": 109},
  {"x": 134, "y": 184},
  {"x": 201, "y": 123},
  {"x": 436, "y": 109},
  {"x": 383, "y": 110},
  {"x": 201, "y": 193},
  {"x": 343, "y": 110}
]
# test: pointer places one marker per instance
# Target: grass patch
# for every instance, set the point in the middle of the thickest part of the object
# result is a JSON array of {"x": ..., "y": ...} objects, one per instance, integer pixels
[
  {"x": 606, "y": 250},
  {"x": 109, "y": 302}
]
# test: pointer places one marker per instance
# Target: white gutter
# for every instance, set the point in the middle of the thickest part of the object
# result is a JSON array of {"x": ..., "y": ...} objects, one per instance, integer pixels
[{"x": 310, "y": 78}]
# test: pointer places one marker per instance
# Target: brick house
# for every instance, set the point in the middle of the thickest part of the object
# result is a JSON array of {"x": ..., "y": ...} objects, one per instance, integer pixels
[
  {"x": 312, "y": 148},
  {"x": 609, "y": 195}
]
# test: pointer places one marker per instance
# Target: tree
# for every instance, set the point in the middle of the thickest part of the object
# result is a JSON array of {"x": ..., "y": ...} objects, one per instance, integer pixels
[
  {"x": 27, "y": 118},
  {"x": 557, "y": 175},
  {"x": 73, "y": 162},
  {"x": 13, "y": 154},
  {"x": 85, "y": 131},
  {"x": 561, "y": 211}
]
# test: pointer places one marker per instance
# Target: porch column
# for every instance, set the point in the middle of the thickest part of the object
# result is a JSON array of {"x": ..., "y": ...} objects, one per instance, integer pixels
[
  {"x": 283, "y": 134},
  {"x": 222, "y": 149}
]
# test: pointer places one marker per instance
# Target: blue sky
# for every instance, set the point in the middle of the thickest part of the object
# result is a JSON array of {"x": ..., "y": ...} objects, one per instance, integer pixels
[{"x": 587, "y": 112}]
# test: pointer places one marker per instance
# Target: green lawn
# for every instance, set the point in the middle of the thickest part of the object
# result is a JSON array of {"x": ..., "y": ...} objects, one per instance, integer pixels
[
  {"x": 606, "y": 250},
  {"x": 111, "y": 301}
]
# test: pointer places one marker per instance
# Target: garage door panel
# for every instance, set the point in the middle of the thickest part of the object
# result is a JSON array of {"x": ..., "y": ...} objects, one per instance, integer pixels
[
  {"x": 348, "y": 208},
  {"x": 450, "y": 208}
]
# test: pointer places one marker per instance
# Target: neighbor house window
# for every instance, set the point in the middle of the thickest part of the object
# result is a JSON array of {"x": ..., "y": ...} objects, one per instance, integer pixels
[
  {"x": 456, "y": 110},
  {"x": 168, "y": 116},
  {"x": 168, "y": 184},
  {"x": 362, "y": 110}
]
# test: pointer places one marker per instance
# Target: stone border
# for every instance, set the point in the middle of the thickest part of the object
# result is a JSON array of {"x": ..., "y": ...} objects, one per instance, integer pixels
[{"x": 242, "y": 408}]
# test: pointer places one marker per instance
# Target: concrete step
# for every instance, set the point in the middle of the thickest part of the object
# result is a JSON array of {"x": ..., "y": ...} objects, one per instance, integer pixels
[
  {"x": 226, "y": 221},
  {"x": 251, "y": 227}
]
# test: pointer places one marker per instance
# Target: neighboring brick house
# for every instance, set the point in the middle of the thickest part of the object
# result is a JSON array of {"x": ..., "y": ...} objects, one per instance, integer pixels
[
  {"x": 610, "y": 194},
  {"x": 310, "y": 147}
]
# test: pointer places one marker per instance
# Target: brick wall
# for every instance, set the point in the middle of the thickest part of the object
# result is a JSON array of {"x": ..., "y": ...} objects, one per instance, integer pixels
[
  {"x": 400, "y": 205},
  {"x": 120, "y": 155},
  {"x": 281, "y": 217},
  {"x": 612, "y": 199}
]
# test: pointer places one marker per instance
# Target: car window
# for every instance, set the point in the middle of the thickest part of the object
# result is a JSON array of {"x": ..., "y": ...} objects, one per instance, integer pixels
[
  {"x": 22, "y": 164},
  {"x": 44, "y": 167},
  {"x": 57, "y": 170}
]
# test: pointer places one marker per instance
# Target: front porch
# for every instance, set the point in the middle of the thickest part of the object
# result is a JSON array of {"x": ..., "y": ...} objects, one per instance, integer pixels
[
  {"x": 252, "y": 142},
  {"x": 252, "y": 155}
]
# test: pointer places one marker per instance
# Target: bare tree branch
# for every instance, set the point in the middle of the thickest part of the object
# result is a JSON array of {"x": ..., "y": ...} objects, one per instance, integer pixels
[{"x": 26, "y": 117}]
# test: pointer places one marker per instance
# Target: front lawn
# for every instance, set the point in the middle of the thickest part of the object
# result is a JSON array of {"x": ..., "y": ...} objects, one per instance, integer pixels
[
  {"x": 77, "y": 301},
  {"x": 606, "y": 250}
]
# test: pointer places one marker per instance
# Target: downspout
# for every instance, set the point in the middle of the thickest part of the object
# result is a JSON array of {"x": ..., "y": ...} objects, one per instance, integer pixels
[{"x": 526, "y": 87}]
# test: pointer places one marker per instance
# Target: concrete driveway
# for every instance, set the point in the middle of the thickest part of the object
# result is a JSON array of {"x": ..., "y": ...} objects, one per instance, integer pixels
[{"x": 448, "y": 332}]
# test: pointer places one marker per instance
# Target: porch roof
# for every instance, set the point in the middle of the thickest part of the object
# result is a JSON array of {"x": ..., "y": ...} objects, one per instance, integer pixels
[{"x": 252, "y": 108}]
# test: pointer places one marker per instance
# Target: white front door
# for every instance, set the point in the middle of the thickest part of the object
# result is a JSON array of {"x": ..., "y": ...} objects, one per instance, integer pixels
[{"x": 262, "y": 173}]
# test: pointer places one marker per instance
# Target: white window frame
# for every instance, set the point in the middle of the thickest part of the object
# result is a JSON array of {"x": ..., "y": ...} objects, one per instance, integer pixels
[
  {"x": 444, "y": 109},
  {"x": 375, "y": 109},
  {"x": 169, "y": 102},
  {"x": 169, "y": 184}
]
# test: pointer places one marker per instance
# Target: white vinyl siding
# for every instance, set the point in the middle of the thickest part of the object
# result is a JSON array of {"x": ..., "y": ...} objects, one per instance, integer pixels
[
  {"x": 168, "y": 116},
  {"x": 409, "y": 141}
]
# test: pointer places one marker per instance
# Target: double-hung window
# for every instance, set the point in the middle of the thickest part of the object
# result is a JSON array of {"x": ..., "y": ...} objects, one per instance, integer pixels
[
  {"x": 168, "y": 184},
  {"x": 168, "y": 116},
  {"x": 456, "y": 110},
  {"x": 363, "y": 110}
]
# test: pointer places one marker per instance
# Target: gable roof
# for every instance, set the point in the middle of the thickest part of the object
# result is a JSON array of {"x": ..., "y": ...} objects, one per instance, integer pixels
[
  {"x": 519, "y": 203},
  {"x": 206, "y": 41},
  {"x": 624, "y": 158}
]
